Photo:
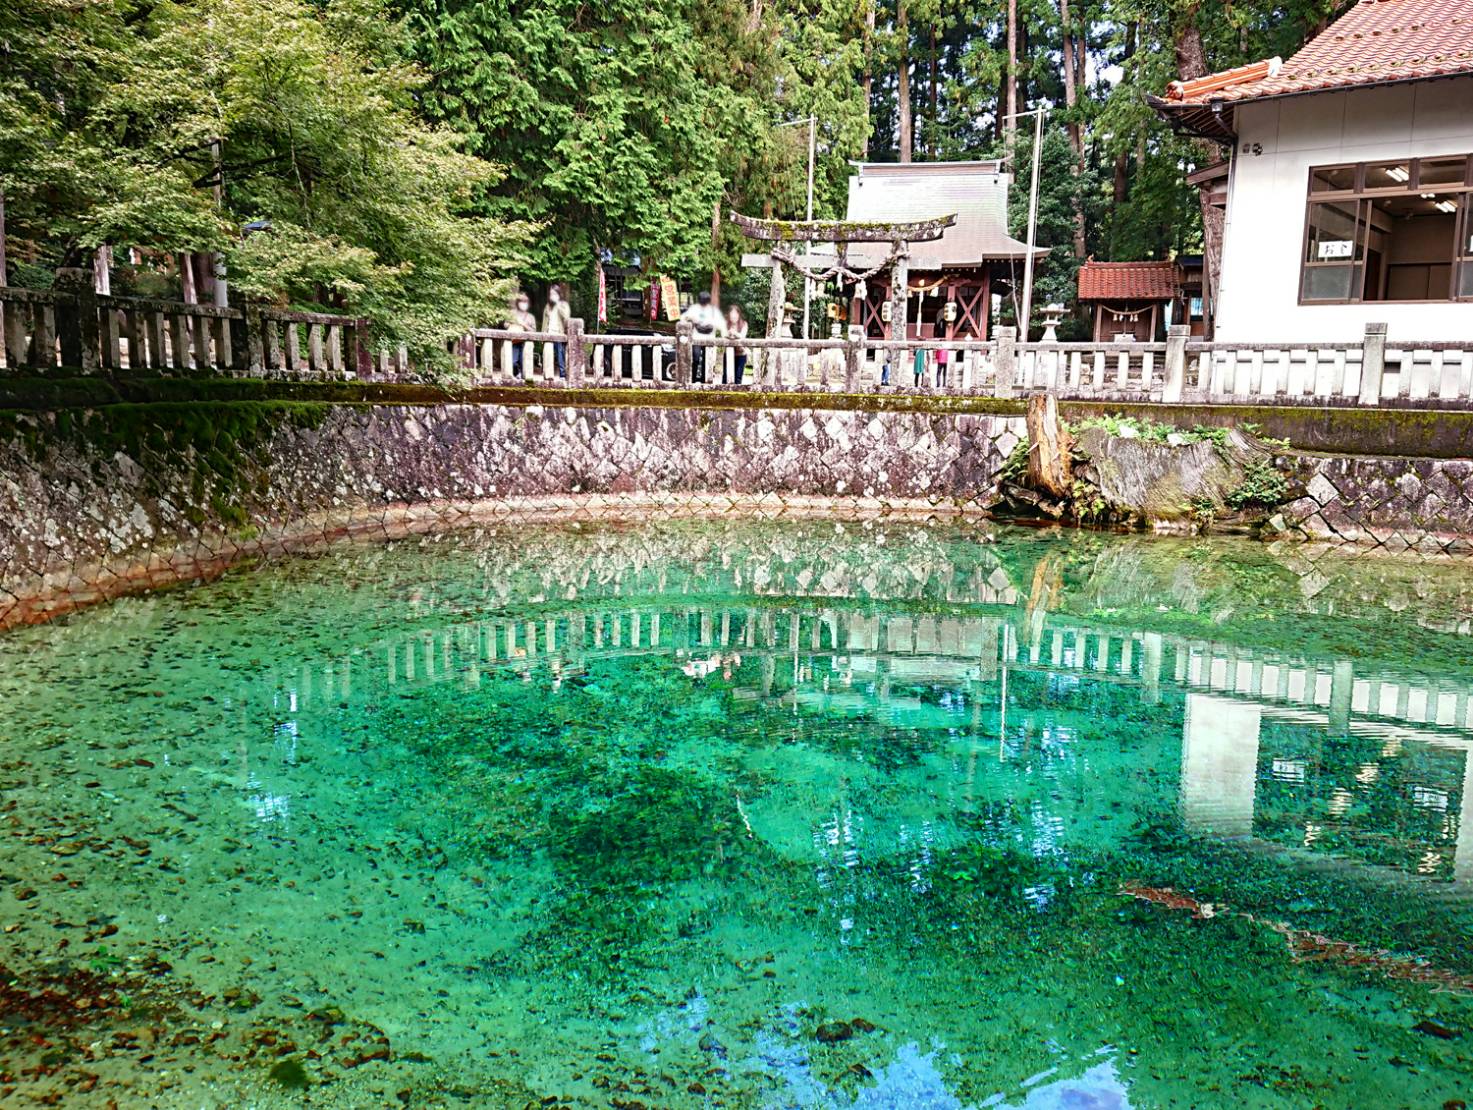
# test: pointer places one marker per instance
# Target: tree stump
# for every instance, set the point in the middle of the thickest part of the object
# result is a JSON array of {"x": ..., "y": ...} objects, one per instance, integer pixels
[{"x": 1049, "y": 466}]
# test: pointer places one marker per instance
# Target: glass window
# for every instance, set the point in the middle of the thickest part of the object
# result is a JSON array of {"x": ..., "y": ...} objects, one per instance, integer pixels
[
  {"x": 1441, "y": 171},
  {"x": 1465, "y": 254},
  {"x": 1332, "y": 179},
  {"x": 1408, "y": 241},
  {"x": 1404, "y": 234},
  {"x": 1388, "y": 175},
  {"x": 1332, "y": 252}
]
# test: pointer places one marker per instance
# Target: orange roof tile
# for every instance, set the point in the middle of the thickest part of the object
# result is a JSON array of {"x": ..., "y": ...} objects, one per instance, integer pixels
[
  {"x": 1128, "y": 281},
  {"x": 1375, "y": 42}
]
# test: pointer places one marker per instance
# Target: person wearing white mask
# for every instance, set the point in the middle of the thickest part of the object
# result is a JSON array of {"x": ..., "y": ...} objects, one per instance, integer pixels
[{"x": 556, "y": 320}]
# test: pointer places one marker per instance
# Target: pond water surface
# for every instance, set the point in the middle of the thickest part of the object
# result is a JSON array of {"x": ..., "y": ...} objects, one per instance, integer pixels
[{"x": 759, "y": 815}]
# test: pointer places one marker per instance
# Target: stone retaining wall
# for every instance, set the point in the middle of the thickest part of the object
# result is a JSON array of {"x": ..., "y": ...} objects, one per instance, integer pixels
[
  {"x": 93, "y": 503},
  {"x": 1386, "y": 501}
]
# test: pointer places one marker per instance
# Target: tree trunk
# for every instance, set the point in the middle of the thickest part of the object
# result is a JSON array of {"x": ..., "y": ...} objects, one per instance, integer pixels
[
  {"x": 186, "y": 279},
  {"x": 715, "y": 247},
  {"x": 102, "y": 270},
  {"x": 1010, "y": 79},
  {"x": 932, "y": 129},
  {"x": 1076, "y": 129},
  {"x": 902, "y": 95},
  {"x": 1049, "y": 467},
  {"x": 1191, "y": 59},
  {"x": 869, "y": 72}
]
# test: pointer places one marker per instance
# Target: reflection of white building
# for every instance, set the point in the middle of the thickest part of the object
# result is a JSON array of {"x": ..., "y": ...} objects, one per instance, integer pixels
[
  {"x": 1349, "y": 179},
  {"x": 1220, "y": 761}
]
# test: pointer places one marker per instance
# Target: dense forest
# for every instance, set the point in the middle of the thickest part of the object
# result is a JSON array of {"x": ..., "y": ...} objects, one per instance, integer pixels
[{"x": 408, "y": 159}]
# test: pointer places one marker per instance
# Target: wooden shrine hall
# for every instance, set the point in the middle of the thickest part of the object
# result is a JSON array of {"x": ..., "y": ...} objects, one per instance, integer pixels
[{"x": 951, "y": 280}]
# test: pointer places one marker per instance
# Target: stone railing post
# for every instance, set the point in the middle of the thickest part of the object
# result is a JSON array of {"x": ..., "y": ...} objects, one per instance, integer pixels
[
  {"x": 1176, "y": 363},
  {"x": 853, "y": 358},
  {"x": 255, "y": 339},
  {"x": 1372, "y": 364},
  {"x": 577, "y": 352},
  {"x": 683, "y": 332},
  {"x": 1006, "y": 362},
  {"x": 899, "y": 298},
  {"x": 78, "y": 329}
]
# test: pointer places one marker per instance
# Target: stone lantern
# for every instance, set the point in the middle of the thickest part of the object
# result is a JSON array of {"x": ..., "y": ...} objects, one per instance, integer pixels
[{"x": 1053, "y": 315}]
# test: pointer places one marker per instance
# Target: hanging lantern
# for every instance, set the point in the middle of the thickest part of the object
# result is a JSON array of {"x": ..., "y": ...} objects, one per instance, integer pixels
[
  {"x": 948, "y": 312},
  {"x": 887, "y": 311}
]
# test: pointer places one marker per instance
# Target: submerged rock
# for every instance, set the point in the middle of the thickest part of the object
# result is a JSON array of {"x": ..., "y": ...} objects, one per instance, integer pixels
[
  {"x": 831, "y": 1032},
  {"x": 290, "y": 1074}
]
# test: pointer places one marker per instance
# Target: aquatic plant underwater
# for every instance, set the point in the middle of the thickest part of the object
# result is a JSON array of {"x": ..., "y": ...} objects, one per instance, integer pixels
[{"x": 757, "y": 815}]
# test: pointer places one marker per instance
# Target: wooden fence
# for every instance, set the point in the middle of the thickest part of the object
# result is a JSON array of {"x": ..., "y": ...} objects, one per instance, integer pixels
[{"x": 88, "y": 333}]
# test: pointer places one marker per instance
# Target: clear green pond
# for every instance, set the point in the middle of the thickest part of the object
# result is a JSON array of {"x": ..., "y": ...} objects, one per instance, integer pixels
[{"x": 764, "y": 815}]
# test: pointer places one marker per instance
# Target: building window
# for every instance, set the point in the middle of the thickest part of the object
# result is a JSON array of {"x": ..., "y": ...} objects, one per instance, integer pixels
[{"x": 1389, "y": 231}]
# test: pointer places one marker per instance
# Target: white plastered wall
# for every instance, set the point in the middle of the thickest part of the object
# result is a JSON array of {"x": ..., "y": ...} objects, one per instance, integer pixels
[{"x": 1278, "y": 142}]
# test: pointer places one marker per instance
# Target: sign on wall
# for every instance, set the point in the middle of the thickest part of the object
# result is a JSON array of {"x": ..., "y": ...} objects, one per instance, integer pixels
[{"x": 1336, "y": 248}]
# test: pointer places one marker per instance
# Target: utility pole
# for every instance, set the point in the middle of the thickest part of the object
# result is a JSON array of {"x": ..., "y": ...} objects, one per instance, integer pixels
[
  {"x": 807, "y": 281},
  {"x": 812, "y": 122},
  {"x": 1026, "y": 313}
]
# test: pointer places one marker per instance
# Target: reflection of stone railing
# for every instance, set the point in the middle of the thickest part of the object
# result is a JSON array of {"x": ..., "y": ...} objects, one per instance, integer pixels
[{"x": 574, "y": 638}]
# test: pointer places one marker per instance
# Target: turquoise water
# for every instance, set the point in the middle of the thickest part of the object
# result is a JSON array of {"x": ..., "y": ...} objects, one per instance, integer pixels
[{"x": 761, "y": 815}]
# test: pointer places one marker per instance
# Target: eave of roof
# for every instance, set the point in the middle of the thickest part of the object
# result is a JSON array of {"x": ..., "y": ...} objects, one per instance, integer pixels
[{"x": 1375, "y": 43}]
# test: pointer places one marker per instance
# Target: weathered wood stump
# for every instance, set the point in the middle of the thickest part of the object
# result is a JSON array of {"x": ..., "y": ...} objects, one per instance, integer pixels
[{"x": 1050, "y": 469}]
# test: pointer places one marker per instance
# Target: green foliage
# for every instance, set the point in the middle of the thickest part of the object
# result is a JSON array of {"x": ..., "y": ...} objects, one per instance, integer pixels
[
  {"x": 314, "y": 115},
  {"x": 1262, "y": 485},
  {"x": 1152, "y": 431}
]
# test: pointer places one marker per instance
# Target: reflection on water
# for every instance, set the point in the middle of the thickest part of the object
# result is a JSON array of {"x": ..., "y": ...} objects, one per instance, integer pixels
[{"x": 764, "y": 815}]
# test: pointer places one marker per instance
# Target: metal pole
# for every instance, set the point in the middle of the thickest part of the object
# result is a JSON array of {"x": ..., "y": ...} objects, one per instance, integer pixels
[
  {"x": 808, "y": 249},
  {"x": 1032, "y": 228}
]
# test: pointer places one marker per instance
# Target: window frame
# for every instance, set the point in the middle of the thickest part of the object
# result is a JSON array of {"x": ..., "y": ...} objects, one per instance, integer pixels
[{"x": 1460, "y": 251}]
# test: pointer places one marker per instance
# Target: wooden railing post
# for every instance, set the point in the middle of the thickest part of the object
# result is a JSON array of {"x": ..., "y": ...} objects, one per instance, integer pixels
[
  {"x": 1372, "y": 364},
  {"x": 1007, "y": 361},
  {"x": 577, "y": 352},
  {"x": 683, "y": 331},
  {"x": 1176, "y": 363}
]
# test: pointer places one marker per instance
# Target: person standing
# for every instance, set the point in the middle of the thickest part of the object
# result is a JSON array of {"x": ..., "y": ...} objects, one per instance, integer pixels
[
  {"x": 737, "y": 328},
  {"x": 557, "y": 320},
  {"x": 705, "y": 319},
  {"x": 521, "y": 320}
]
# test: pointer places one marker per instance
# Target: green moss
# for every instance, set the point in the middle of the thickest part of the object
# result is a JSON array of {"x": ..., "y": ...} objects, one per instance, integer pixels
[
  {"x": 220, "y": 447},
  {"x": 1429, "y": 433}
]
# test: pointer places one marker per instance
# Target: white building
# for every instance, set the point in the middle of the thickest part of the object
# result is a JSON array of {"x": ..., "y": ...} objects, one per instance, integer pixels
[{"x": 1350, "y": 183}]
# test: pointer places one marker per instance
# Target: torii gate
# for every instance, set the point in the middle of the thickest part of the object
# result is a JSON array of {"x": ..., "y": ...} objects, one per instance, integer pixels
[{"x": 841, "y": 233}]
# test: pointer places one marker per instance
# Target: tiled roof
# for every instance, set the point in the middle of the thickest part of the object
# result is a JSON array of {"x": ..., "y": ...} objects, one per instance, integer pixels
[
  {"x": 976, "y": 191},
  {"x": 1128, "y": 281},
  {"x": 1375, "y": 42}
]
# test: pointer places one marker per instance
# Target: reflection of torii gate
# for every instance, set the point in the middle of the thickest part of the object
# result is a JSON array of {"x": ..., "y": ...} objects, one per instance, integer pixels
[{"x": 783, "y": 233}]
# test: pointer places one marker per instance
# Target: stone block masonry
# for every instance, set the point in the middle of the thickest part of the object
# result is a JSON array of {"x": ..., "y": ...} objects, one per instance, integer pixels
[
  {"x": 97, "y": 502},
  {"x": 1385, "y": 501}
]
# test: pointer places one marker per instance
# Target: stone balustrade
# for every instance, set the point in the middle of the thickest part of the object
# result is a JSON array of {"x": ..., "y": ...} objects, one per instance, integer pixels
[{"x": 54, "y": 331}]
